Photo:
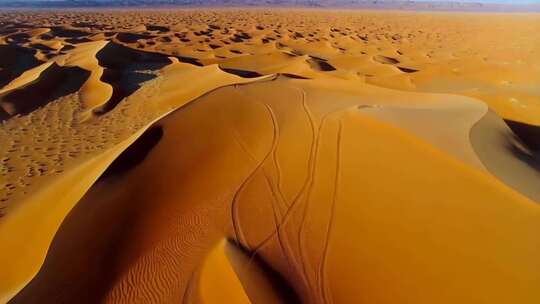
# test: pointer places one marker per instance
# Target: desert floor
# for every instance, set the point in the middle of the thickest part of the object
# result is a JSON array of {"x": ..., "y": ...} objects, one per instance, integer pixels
[{"x": 269, "y": 156}]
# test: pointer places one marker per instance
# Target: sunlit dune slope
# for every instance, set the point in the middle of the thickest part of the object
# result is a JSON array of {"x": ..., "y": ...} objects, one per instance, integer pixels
[
  {"x": 336, "y": 202},
  {"x": 94, "y": 61},
  {"x": 60, "y": 144}
]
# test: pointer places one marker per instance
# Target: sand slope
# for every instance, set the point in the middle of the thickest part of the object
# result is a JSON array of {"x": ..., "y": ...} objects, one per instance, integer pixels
[
  {"x": 312, "y": 171},
  {"x": 309, "y": 156}
]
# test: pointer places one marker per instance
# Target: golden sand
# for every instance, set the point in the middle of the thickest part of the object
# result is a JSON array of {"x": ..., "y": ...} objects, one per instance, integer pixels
[{"x": 266, "y": 156}]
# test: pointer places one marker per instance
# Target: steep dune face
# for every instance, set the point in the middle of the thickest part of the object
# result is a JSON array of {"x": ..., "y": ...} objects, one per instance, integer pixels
[
  {"x": 125, "y": 70},
  {"x": 303, "y": 184},
  {"x": 52, "y": 83},
  {"x": 93, "y": 92},
  {"x": 45, "y": 151},
  {"x": 268, "y": 156},
  {"x": 15, "y": 61},
  {"x": 508, "y": 154}
]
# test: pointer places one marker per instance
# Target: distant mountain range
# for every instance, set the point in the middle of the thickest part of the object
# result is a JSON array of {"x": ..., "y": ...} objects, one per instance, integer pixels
[{"x": 373, "y": 4}]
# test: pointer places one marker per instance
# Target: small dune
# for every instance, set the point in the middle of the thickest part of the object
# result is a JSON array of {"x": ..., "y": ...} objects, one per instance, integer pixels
[
  {"x": 407, "y": 70},
  {"x": 507, "y": 155},
  {"x": 14, "y": 61},
  {"x": 385, "y": 59},
  {"x": 52, "y": 83},
  {"x": 132, "y": 37},
  {"x": 320, "y": 65},
  {"x": 242, "y": 73},
  {"x": 158, "y": 28},
  {"x": 115, "y": 56},
  {"x": 60, "y": 31}
]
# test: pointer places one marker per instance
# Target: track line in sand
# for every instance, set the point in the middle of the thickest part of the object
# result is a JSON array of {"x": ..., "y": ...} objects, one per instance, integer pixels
[{"x": 325, "y": 291}]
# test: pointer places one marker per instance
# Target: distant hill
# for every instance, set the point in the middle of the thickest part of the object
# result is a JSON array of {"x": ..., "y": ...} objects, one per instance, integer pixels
[{"x": 371, "y": 4}]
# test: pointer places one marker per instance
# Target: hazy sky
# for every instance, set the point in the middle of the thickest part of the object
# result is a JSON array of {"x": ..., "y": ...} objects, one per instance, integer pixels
[{"x": 485, "y": 1}]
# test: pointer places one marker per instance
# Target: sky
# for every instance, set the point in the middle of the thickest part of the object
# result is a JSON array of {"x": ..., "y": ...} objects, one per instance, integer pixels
[
  {"x": 483, "y": 1},
  {"x": 486, "y": 1}
]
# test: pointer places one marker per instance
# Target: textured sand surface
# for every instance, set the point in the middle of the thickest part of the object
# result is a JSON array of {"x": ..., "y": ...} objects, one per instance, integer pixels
[{"x": 267, "y": 156}]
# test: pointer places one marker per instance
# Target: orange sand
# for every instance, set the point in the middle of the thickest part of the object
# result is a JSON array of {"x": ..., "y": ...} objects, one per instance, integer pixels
[{"x": 266, "y": 156}]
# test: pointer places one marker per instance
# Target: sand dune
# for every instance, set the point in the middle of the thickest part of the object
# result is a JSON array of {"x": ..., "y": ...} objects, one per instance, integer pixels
[
  {"x": 15, "y": 61},
  {"x": 296, "y": 165},
  {"x": 267, "y": 156},
  {"x": 51, "y": 84}
]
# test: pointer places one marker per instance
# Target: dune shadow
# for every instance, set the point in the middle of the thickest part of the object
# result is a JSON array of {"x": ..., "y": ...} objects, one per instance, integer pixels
[
  {"x": 132, "y": 37},
  {"x": 14, "y": 61},
  {"x": 53, "y": 83},
  {"x": 294, "y": 76},
  {"x": 320, "y": 64},
  {"x": 506, "y": 156},
  {"x": 278, "y": 283},
  {"x": 157, "y": 28},
  {"x": 116, "y": 56},
  {"x": 58, "y": 31},
  {"x": 241, "y": 73},
  {"x": 529, "y": 134},
  {"x": 4, "y": 115},
  {"x": 189, "y": 60},
  {"x": 385, "y": 59},
  {"x": 77, "y": 40},
  {"x": 124, "y": 83},
  {"x": 42, "y": 47},
  {"x": 125, "y": 69},
  {"x": 135, "y": 153},
  {"x": 531, "y": 159},
  {"x": 19, "y": 38},
  {"x": 406, "y": 70}
]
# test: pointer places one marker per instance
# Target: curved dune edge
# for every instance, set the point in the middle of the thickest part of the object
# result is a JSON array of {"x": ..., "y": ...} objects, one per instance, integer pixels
[
  {"x": 477, "y": 218},
  {"x": 460, "y": 113},
  {"x": 55, "y": 200},
  {"x": 438, "y": 110},
  {"x": 94, "y": 92},
  {"x": 417, "y": 227},
  {"x": 229, "y": 272},
  {"x": 217, "y": 280},
  {"x": 27, "y": 214},
  {"x": 26, "y": 77},
  {"x": 173, "y": 85},
  {"x": 506, "y": 156}
]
